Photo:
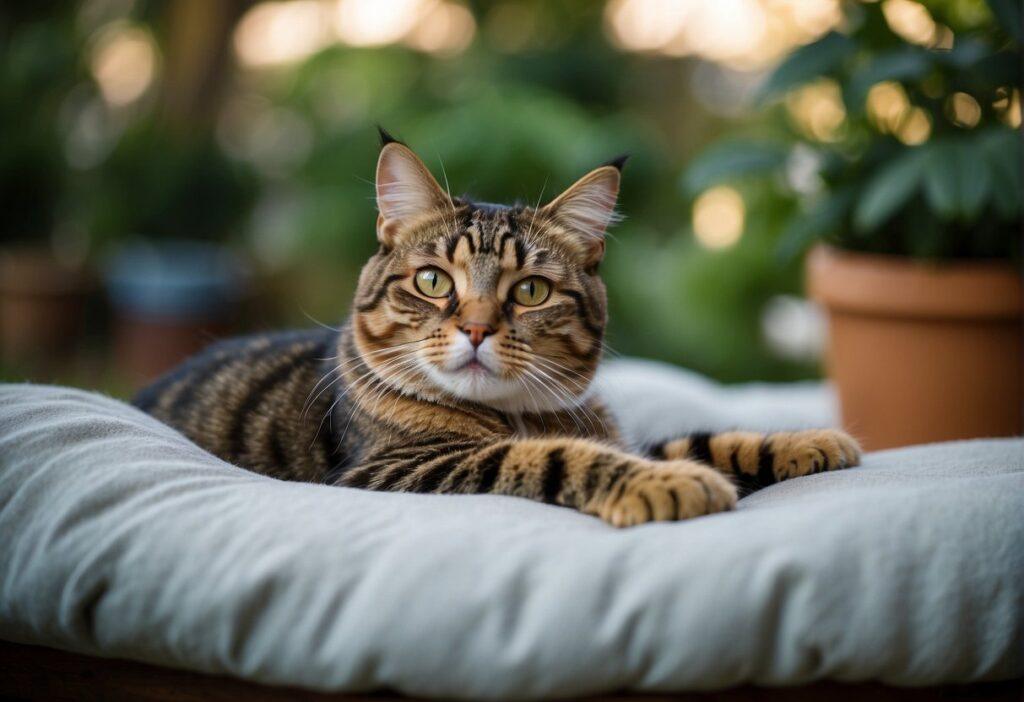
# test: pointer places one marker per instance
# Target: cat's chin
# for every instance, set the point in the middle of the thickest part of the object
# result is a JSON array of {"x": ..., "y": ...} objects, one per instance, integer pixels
[{"x": 476, "y": 384}]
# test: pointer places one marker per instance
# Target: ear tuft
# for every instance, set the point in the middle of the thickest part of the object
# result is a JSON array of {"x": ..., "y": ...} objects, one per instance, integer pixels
[
  {"x": 386, "y": 138},
  {"x": 618, "y": 162}
]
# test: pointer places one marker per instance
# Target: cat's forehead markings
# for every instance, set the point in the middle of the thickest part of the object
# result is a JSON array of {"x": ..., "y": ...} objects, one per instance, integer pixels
[
  {"x": 500, "y": 234},
  {"x": 461, "y": 248},
  {"x": 473, "y": 235},
  {"x": 512, "y": 251}
]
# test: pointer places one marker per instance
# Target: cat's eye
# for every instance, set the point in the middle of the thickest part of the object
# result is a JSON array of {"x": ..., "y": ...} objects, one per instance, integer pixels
[
  {"x": 433, "y": 282},
  {"x": 531, "y": 291}
]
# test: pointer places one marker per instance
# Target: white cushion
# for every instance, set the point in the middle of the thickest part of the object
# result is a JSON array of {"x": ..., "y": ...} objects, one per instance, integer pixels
[{"x": 119, "y": 537}]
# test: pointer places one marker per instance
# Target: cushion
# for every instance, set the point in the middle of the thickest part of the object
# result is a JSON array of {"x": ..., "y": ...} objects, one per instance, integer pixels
[{"x": 121, "y": 538}]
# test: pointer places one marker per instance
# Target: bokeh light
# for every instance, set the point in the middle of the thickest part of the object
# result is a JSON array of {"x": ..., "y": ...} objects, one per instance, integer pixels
[
  {"x": 887, "y": 103},
  {"x": 273, "y": 33},
  {"x": 718, "y": 217},
  {"x": 943, "y": 39},
  {"x": 123, "y": 62},
  {"x": 817, "y": 109},
  {"x": 963, "y": 110},
  {"x": 1007, "y": 106},
  {"x": 375, "y": 23},
  {"x": 714, "y": 34},
  {"x": 911, "y": 20},
  {"x": 742, "y": 34},
  {"x": 916, "y": 127},
  {"x": 890, "y": 110},
  {"x": 646, "y": 25},
  {"x": 285, "y": 32},
  {"x": 793, "y": 327},
  {"x": 446, "y": 28}
]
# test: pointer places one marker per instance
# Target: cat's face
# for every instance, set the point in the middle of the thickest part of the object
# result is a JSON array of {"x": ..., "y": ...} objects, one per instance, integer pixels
[{"x": 497, "y": 305}]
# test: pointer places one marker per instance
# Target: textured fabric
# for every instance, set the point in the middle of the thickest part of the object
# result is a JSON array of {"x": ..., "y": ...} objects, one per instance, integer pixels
[
  {"x": 653, "y": 401},
  {"x": 118, "y": 537}
]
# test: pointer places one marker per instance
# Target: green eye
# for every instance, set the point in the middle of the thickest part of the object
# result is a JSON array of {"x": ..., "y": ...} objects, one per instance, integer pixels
[
  {"x": 433, "y": 282},
  {"x": 532, "y": 291}
]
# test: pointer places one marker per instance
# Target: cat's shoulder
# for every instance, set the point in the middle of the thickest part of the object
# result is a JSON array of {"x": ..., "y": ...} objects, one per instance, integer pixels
[
  {"x": 259, "y": 349},
  {"x": 285, "y": 342}
]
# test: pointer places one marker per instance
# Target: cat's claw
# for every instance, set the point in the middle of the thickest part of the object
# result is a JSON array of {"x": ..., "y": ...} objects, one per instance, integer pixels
[
  {"x": 667, "y": 491},
  {"x": 802, "y": 453}
]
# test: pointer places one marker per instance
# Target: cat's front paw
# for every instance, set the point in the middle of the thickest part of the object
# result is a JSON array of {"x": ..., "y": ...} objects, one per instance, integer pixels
[
  {"x": 667, "y": 491},
  {"x": 813, "y": 451}
]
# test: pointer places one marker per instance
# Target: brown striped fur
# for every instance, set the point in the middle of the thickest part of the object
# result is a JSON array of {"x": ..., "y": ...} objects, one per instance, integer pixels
[{"x": 472, "y": 391}]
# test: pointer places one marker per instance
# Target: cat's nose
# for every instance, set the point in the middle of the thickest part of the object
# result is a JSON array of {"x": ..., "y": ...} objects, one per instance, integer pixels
[{"x": 477, "y": 332}]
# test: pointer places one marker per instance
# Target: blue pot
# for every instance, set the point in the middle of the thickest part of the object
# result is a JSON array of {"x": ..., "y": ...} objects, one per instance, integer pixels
[{"x": 181, "y": 281}]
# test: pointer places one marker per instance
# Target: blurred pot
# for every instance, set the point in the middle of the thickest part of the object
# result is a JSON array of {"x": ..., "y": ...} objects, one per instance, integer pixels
[
  {"x": 921, "y": 352},
  {"x": 170, "y": 300},
  {"x": 42, "y": 305}
]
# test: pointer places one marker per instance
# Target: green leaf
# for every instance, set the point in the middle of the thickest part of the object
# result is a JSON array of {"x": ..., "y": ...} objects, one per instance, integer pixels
[
  {"x": 807, "y": 63},
  {"x": 957, "y": 181},
  {"x": 975, "y": 180},
  {"x": 824, "y": 217},
  {"x": 1008, "y": 14},
  {"x": 732, "y": 159},
  {"x": 900, "y": 65},
  {"x": 889, "y": 189},
  {"x": 1001, "y": 148},
  {"x": 941, "y": 180}
]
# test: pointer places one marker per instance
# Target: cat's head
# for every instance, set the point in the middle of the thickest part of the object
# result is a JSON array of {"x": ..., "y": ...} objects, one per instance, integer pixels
[{"x": 498, "y": 305}]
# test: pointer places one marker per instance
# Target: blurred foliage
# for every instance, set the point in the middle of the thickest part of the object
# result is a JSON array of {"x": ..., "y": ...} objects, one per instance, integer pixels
[
  {"x": 39, "y": 65},
  {"x": 957, "y": 194},
  {"x": 283, "y": 171},
  {"x": 160, "y": 183}
]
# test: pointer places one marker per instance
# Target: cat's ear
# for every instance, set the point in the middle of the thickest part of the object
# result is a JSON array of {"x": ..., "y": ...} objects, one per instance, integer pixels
[
  {"x": 587, "y": 208},
  {"x": 405, "y": 189}
]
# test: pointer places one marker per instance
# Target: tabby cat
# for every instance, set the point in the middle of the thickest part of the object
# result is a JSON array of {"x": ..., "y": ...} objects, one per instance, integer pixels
[{"x": 464, "y": 367}]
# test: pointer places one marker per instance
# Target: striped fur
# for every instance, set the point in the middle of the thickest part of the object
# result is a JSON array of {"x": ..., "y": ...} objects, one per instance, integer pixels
[
  {"x": 754, "y": 460},
  {"x": 402, "y": 398}
]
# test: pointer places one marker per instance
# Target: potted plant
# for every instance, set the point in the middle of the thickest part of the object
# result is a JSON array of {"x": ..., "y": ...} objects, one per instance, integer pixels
[
  {"x": 903, "y": 161},
  {"x": 173, "y": 281},
  {"x": 43, "y": 287}
]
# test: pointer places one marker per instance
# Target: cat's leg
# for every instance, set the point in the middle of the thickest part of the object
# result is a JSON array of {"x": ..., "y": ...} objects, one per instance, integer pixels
[
  {"x": 621, "y": 488},
  {"x": 756, "y": 460}
]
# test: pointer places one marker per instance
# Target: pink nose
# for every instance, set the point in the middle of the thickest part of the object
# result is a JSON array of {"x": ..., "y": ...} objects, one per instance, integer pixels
[{"x": 477, "y": 332}]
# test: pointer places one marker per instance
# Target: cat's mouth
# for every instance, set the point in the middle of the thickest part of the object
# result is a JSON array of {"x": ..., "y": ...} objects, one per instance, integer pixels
[
  {"x": 474, "y": 366},
  {"x": 480, "y": 379}
]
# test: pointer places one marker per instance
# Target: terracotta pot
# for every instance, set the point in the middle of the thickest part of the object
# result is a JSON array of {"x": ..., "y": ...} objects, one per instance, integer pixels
[
  {"x": 145, "y": 348},
  {"x": 922, "y": 352},
  {"x": 42, "y": 306}
]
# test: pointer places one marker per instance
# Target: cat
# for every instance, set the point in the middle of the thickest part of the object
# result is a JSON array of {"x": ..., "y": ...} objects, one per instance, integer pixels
[{"x": 464, "y": 367}]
